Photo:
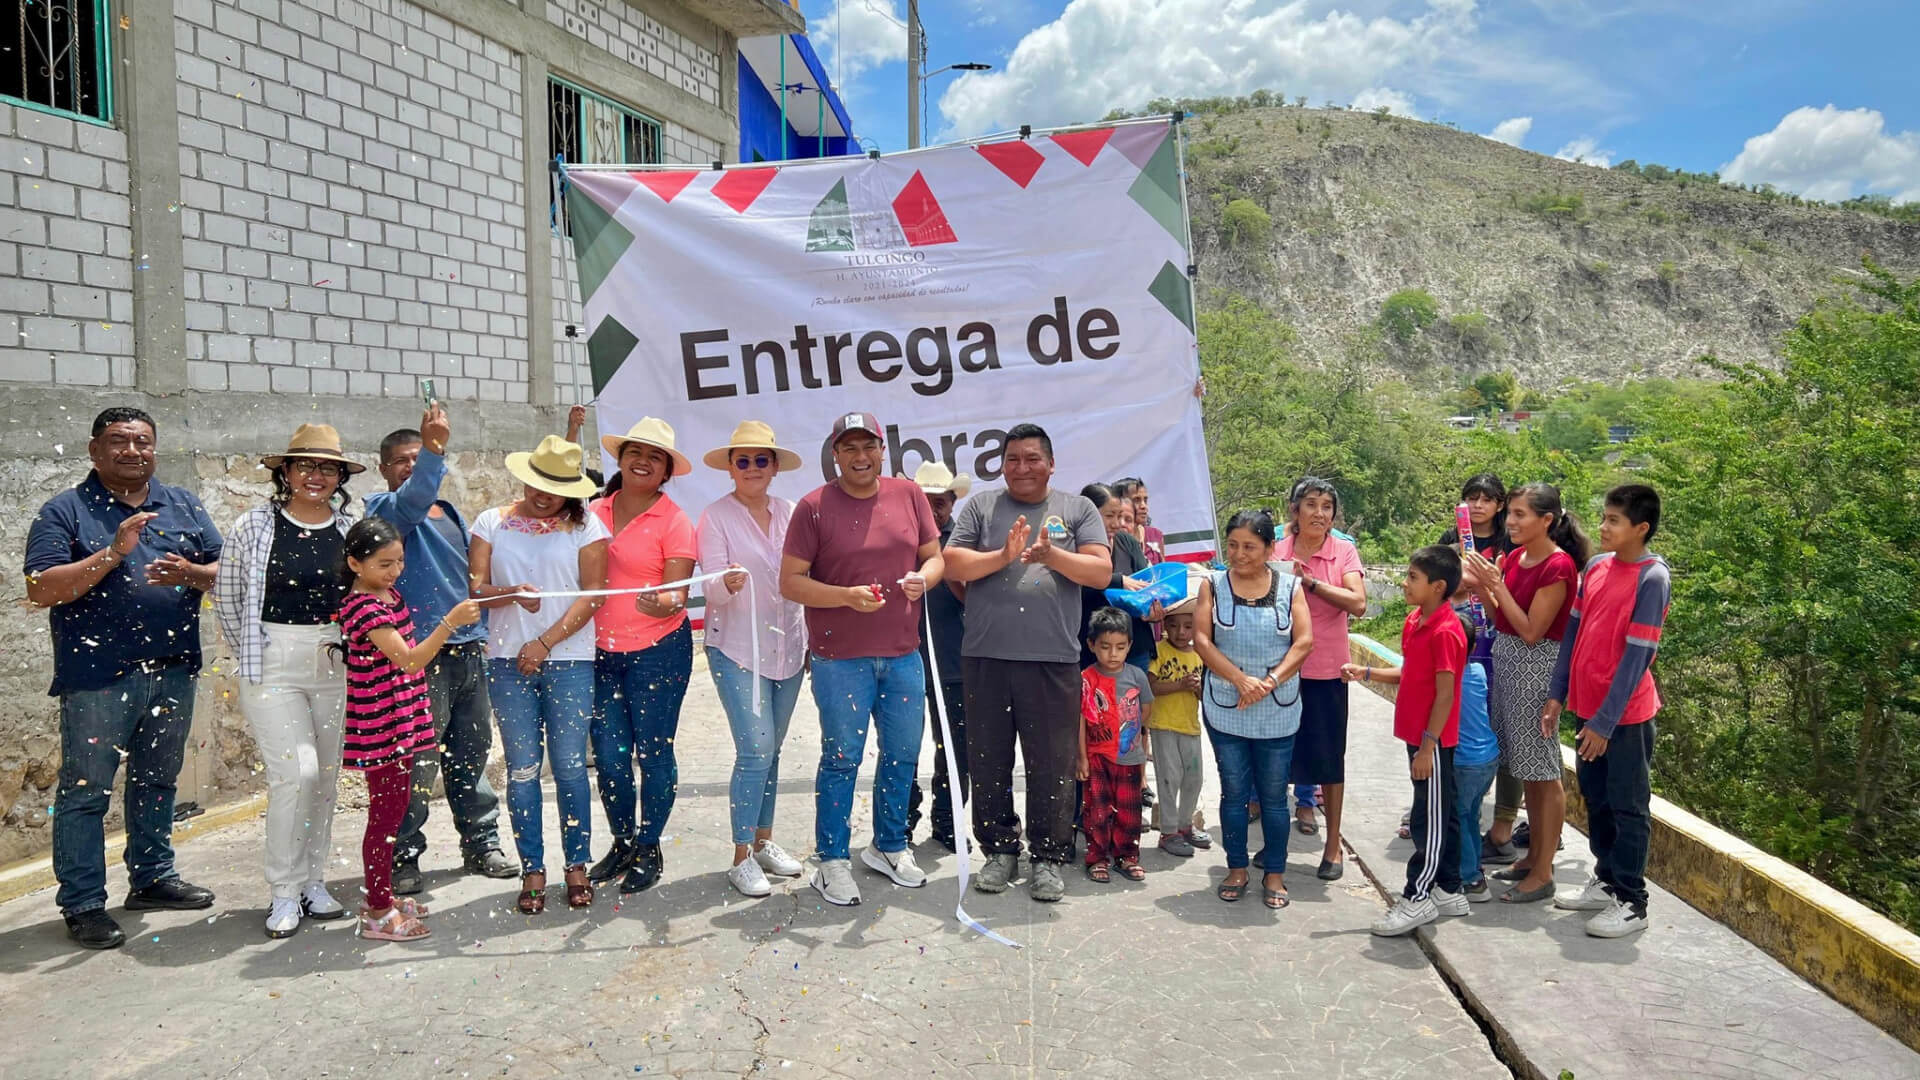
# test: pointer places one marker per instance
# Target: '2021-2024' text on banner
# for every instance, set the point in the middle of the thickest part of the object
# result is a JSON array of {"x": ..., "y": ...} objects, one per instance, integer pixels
[{"x": 952, "y": 292}]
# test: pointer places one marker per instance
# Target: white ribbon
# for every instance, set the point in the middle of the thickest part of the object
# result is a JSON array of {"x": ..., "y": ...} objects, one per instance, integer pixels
[
  {"x": 753, "y": 608},
  {"x": 962, "y": 811}
]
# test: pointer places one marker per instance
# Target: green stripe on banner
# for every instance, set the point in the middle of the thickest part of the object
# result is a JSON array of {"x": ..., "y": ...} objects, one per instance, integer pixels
[
  {"x": 1157, "y": 191},
  {"x": 1189, "y": 537},
  {"x": 598, "y": 240},
  {"x": 1171, "y": 289},
  {"x": 607, "y": 349}
]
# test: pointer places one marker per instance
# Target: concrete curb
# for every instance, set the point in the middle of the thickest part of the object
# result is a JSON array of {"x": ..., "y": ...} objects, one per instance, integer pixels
[
  {"x": 31, "y": 875},
  {"x": 1866, "y": 961}
]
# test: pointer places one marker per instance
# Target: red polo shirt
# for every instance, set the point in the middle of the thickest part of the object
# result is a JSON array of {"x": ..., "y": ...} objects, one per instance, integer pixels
[{"x": 1429, "y": 645}]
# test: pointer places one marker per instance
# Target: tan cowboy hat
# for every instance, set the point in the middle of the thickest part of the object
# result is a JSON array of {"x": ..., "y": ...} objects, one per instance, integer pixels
[
  {"x": 318, "y": 442},
  {"x": 935, "y": 478},
  {"x": 553, "y": 467},
  {"x": 751, "y": 435},
  {"x": 649, "y": 432}
]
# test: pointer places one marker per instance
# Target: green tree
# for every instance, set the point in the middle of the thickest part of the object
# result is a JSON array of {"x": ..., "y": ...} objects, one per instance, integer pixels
[
  {"x": 1499, "y": 389},
  {"x": 1792, "y": 654},
  {"x": 1246, "y": 223},
  {"x": 1407, "y": 312}
]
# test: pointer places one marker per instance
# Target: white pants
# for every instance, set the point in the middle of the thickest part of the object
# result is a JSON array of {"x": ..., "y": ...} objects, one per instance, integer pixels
[{"x": 296, "y": 711}]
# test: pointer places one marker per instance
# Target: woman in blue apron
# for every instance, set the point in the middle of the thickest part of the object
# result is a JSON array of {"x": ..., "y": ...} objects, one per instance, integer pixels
[{"x": 1255, "y": 636}]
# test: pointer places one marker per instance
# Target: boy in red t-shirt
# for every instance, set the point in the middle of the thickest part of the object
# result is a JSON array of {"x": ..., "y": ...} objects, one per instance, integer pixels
[
  {"x": 1115, "y": 699},
  {"x": 1605, "y": 675},
  {"x": 1426, "y": 716}
]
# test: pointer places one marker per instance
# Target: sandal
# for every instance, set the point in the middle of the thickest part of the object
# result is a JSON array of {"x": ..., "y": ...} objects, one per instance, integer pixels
[
  {"x": 580, "y": 892},
  {"x": 395, "y": 925},
  {"x": 533, "y": 893},
  {"x": 1133, "y": 870},
  {"x": 1405, "y": 831},
  {"x": 1098, "y": 871},
  {"x": 1230, "y": 891},
  {"x": 1306, "y": 825},
  {"x": 1275, "y": 898},
  {"x": 411, "y": 908}
]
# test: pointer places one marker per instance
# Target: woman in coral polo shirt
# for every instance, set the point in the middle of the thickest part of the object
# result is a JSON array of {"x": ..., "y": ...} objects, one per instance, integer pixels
[{"x": 645, "y": 653}]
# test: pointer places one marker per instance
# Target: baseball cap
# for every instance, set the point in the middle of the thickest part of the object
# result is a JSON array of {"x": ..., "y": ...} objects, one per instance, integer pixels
[{"x": 856, "y": 421}]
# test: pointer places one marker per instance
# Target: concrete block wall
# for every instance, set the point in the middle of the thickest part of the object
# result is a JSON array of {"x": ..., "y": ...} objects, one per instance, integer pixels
[
  {"x": 690, "y": 62},
  {"x": 66, "y": 252},
  {"x": 351, "y": 199}
]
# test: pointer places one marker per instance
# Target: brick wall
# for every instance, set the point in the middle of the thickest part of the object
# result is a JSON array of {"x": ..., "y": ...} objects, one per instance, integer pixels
[
  {"x": 643, "y": 41},
  {"x": 66, "y": 252},
  {"x": 351, "y": 200}
]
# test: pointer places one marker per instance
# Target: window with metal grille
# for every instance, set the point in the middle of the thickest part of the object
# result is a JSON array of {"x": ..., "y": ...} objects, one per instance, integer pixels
[
  {"x": 57, "y": 56},
  {"x": 586, "y": 127}
]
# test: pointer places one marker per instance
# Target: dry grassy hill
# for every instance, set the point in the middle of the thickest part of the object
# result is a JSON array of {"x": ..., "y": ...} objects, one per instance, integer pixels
[{"x": 1551, "y": 269}]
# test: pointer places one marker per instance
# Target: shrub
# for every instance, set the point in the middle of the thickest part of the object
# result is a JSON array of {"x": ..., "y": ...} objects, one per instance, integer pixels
[
  {"x": 1407, "y": 312},
  {"x": 1245, "y": 222},
  {"x": 1555, "y": 204}
]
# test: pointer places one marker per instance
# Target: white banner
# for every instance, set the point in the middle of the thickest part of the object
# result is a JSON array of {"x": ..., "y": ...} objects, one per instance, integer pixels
[{"x": 953, "y": 292}]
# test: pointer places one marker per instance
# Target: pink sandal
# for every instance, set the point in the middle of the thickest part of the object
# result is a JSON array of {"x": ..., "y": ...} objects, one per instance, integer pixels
[
  {"x": 395, "y": 925},
  {"x": 411, "y": 908}
]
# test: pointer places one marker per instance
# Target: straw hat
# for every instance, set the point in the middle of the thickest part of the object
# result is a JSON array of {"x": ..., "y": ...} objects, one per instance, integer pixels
[
  {"x": 649, "y": 432},
  {"x": 935, "y": 478},
  {"x": 751, "y": 435},
  {"x": 553, "y": 467},
  {"x": 319, "y": 442}
]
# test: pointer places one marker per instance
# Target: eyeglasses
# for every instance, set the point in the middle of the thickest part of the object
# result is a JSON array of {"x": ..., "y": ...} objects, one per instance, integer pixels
[
  {"x": 323, "y": 468},
  {"x": 757, "y": 461}
]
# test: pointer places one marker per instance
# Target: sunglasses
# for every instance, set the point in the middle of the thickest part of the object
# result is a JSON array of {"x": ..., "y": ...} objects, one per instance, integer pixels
[{"x": 757, "y": 461}]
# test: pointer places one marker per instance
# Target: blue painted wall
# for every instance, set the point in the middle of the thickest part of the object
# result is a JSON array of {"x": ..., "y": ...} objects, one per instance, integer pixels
[{"x": 760, "y": 121}]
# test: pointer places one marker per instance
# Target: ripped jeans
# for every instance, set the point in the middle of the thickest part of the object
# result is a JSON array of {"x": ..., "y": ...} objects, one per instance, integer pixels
[{"x": 554, "y": 707}]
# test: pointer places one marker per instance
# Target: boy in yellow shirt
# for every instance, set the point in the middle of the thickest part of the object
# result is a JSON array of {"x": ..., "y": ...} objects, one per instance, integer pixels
[{"x": 1173, "y": 729}]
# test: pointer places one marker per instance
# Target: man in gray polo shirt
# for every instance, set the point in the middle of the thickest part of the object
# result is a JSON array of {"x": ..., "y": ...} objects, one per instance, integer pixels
[{"x": 1026, "y": 552}]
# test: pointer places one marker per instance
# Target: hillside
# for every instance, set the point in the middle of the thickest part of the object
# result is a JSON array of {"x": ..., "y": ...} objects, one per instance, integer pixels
[{"x": 1553, "y": 270}]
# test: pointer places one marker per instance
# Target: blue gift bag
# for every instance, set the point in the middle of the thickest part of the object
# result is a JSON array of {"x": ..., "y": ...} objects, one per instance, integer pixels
[{"x": 1166, "y": 582}]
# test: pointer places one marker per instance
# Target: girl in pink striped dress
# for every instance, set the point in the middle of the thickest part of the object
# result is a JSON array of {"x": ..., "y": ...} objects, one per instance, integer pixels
[{"x": 387, "y": 719}]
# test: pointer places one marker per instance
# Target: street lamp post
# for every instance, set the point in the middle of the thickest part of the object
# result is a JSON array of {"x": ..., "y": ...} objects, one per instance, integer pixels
[{"x": 916, "y": 58}]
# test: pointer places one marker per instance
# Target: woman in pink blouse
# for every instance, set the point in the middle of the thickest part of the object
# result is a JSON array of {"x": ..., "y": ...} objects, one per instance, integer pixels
[{"x": 743, "y": 533}]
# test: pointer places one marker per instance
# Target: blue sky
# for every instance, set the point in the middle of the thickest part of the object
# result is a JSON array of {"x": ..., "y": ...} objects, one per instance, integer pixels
[{"x": 1828, "y": 92}]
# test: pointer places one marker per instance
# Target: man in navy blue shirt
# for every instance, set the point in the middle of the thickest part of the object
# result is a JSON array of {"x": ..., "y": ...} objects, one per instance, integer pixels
[
  {"x": 120, "y": 562},
  {"x": 413, "y": 463}
]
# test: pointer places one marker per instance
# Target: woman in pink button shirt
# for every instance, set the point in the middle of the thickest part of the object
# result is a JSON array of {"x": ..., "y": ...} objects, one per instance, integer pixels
[
  {"x": 645, "y": 649},
  {"x": 743, "y": 533},
  {"x": 1328, "y": 565}
]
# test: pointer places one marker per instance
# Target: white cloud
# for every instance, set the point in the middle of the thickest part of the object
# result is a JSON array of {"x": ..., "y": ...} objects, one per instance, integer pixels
[
  {"x": 1101, "y": 54},
  {"x": 857, "y": 35},
  {"x": 1586, "y": 151},
  {"x": 1831, "y": 154},
  {"x": 1512, "y": 131},
  {"x": 1373, "y": 97}
]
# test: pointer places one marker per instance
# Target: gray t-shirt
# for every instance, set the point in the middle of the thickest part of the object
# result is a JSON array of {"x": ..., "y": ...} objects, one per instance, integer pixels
[{"x": 1025, "y": 611}]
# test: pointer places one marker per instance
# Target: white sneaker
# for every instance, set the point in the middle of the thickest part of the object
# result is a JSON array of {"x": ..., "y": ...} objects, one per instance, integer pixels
[
  {"x": 1595, "y": 897},
  {"x": 283, "y": 918},
  {"x": 1406, "y": 917},
  {"x": 317, "y": 903},
  {"x": 1478, "y": 893},
  {"x": 1447, "y": 903},
  {"x": 1617, "y": 921},
  {"x": 834, "y": 882},
  {"x": 747, "y": 877},
  {"x": 774, "y": 860},
  {"x": 898, "y": 865}
]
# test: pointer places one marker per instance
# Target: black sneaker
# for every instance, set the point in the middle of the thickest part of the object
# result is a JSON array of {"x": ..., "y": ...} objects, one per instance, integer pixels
[
  {"x": 172, "y": 894},
  {"x": 95, "y": 930},
  {"x": 618, "y": 860},
  {"x": 647, "y": 865},
  {"x": 491, "y": 863},
  {"x": 407, "y": 879}
]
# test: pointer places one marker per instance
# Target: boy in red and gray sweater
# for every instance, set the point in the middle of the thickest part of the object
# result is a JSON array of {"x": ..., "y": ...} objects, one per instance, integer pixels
[{"x": 1605, "y": 676}]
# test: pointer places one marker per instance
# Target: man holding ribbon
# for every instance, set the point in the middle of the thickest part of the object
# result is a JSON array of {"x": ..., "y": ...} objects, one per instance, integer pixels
[
  {"x": 860, "y": 553},
  {"x": 1026, "y": 552}
]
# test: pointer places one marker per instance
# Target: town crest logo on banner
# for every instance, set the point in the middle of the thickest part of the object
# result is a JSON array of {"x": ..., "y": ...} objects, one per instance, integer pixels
[{"x": 952, "y": 292}]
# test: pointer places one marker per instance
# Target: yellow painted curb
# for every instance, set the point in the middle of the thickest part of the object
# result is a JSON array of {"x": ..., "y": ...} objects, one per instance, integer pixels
[
  {"x": 31, "y": 875},
  {"x": 1866, "y": 961}
]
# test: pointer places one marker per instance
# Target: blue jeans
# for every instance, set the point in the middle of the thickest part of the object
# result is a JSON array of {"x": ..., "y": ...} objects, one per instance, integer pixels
[
  {"x": 554, "y": 707},
  {"x": 1250, "y": 768},
  {"x": 756, "y": 739},
  {"x": 146, "y": 714},
  {"x": 892, "y": 691},
  {"x": 1471, "y": 783},
  {"x": 636, "y": 713},
  {"x": 1303, "y": 795}
]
